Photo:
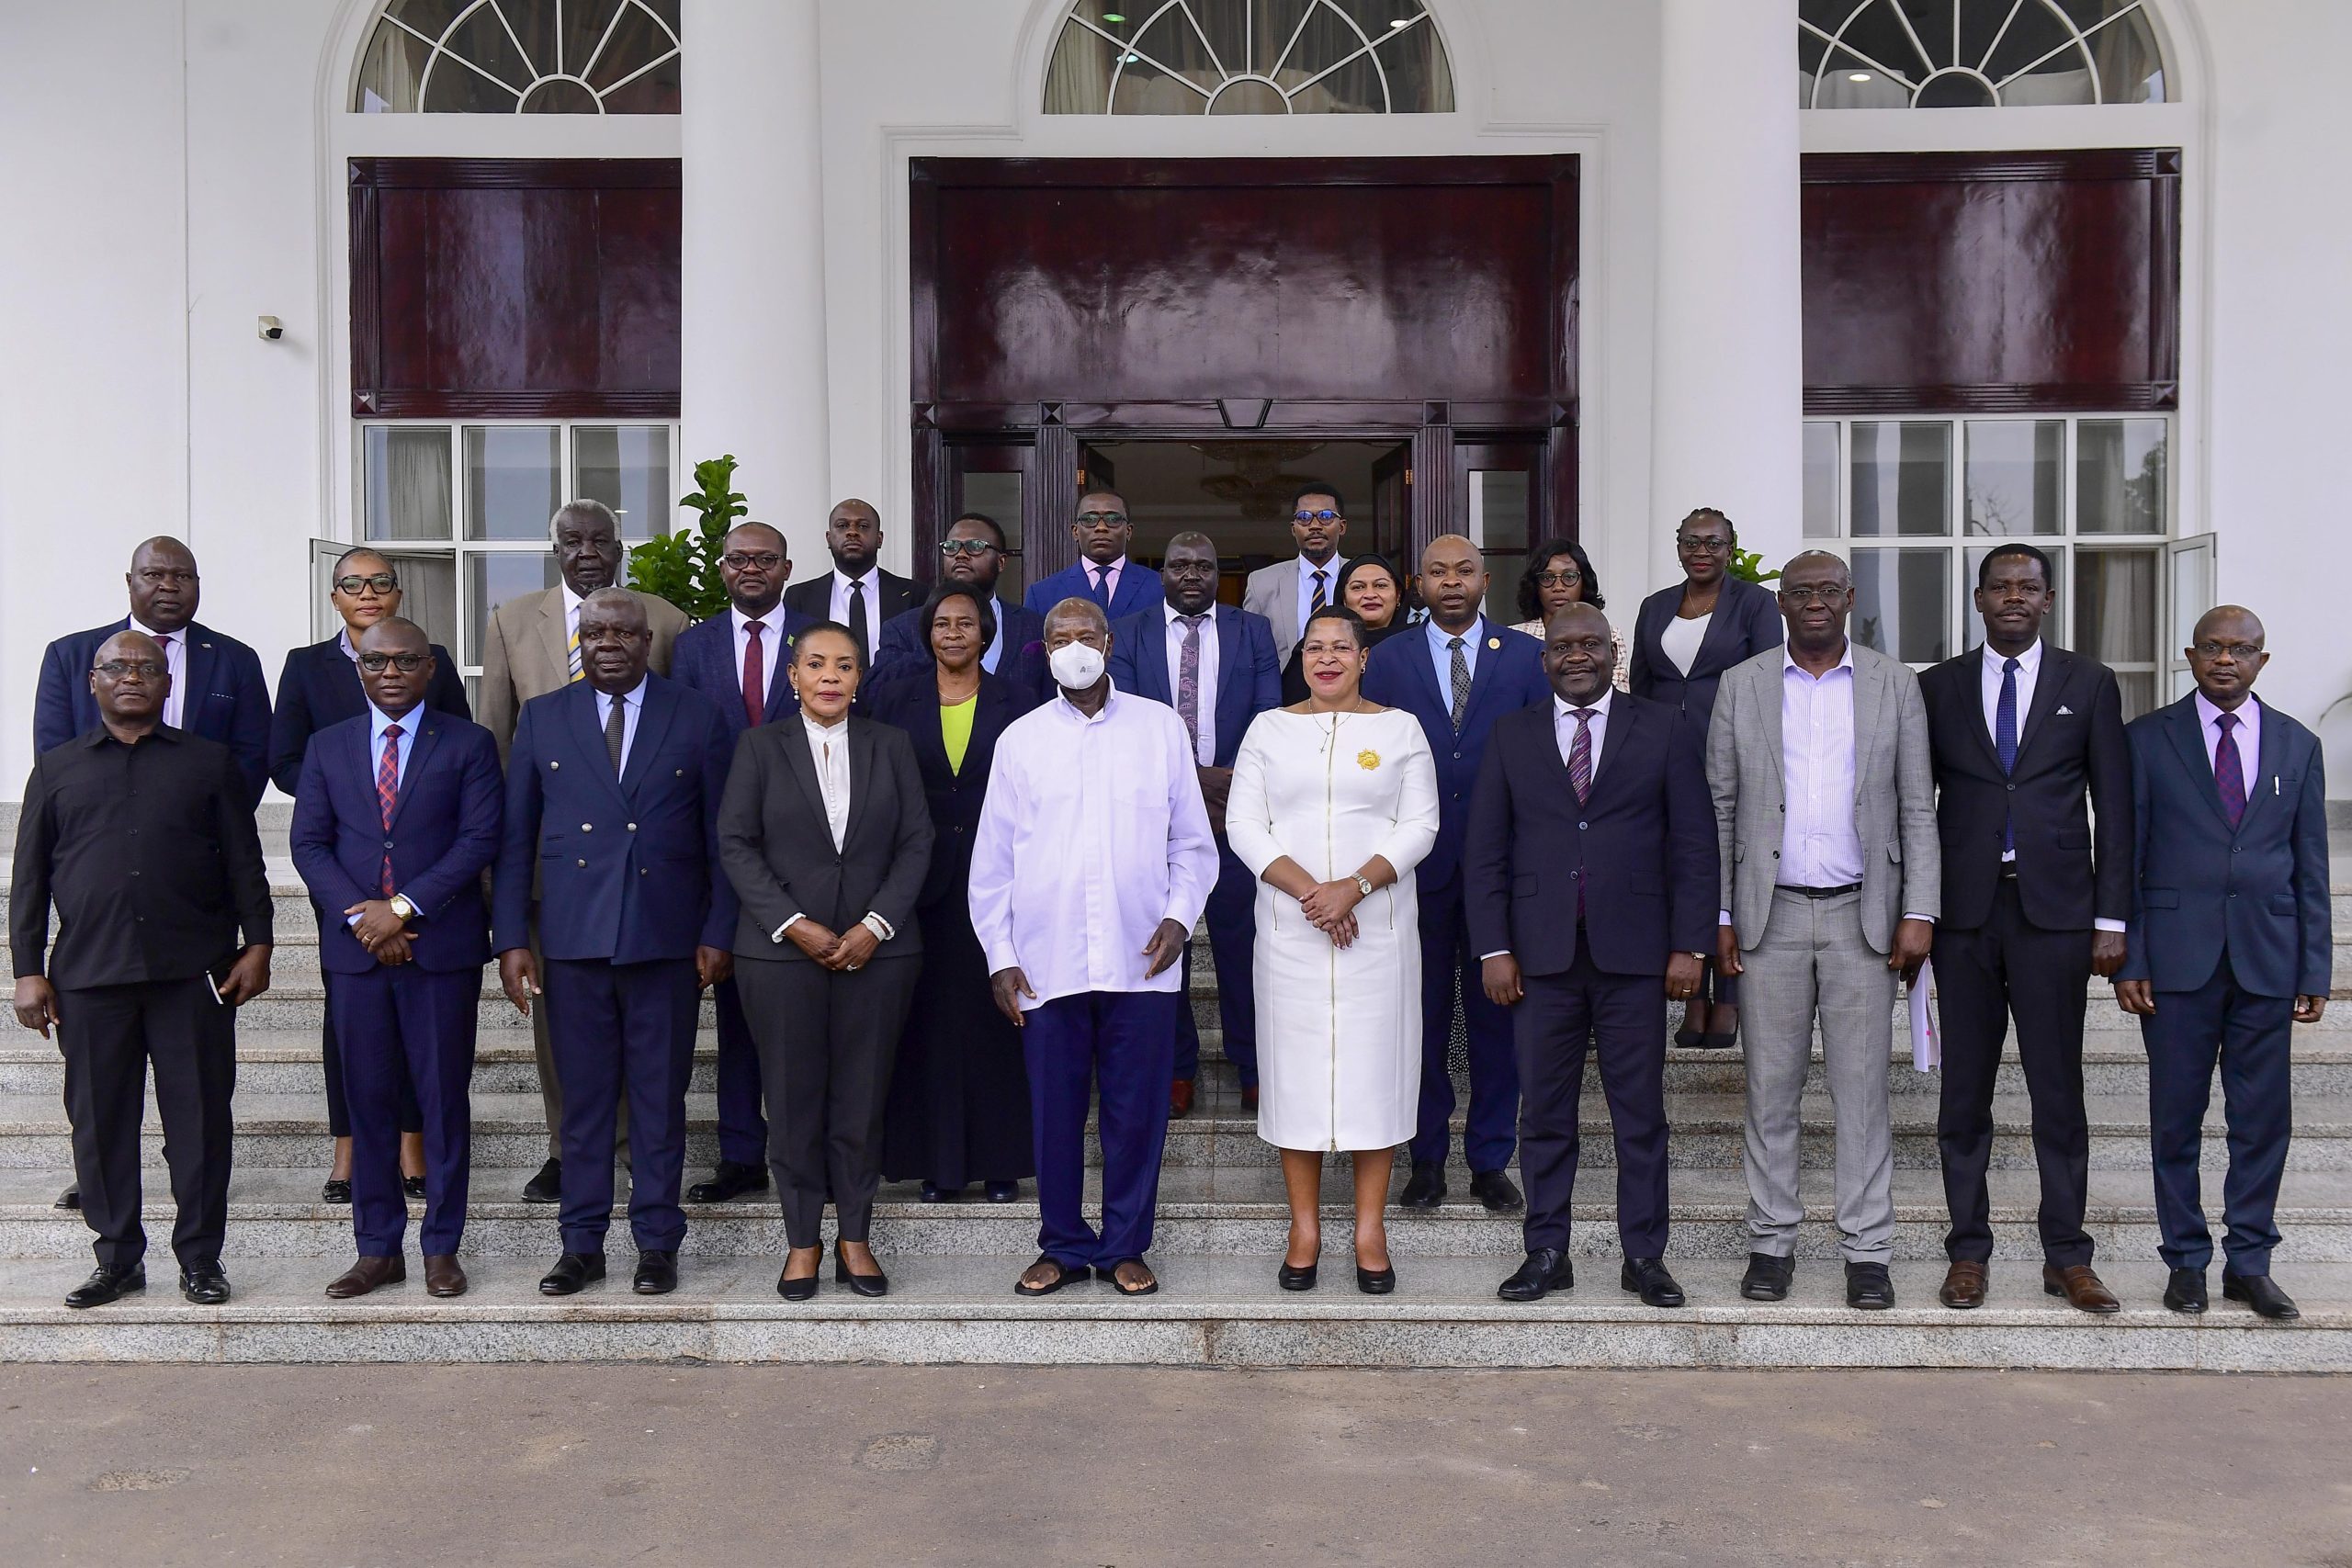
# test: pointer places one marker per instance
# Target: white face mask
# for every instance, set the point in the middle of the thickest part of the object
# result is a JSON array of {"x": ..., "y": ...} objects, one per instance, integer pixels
[{"x": 1076, "y": 666}]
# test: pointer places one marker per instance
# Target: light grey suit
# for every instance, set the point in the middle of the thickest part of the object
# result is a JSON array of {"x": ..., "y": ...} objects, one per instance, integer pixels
[
  {"x": 1273, "y": 592},
  {"x": 1809, "y": 956}
]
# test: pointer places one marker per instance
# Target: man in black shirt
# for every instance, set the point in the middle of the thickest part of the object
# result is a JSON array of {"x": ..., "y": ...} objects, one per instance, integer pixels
[{"x": 142, "y": 836}]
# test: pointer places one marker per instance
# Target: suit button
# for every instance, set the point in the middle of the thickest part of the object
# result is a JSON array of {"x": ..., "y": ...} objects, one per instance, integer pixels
[
  {"x": 2236, "y": 848},
  {"x": 1580, "y": 827},
  {"x": 553, "y": 766},
  {"x": 587, "y": 827},
  {"x": 388, "y": 843},
  {"x": 682, "y": 772},
  {"x": 1457, "y": 756},
  {"x": 959, "y": 826},
  {"x": 583, "y": 866},
  {"x": 641, "y": 871},
  {"x": 632, "y": 827}
]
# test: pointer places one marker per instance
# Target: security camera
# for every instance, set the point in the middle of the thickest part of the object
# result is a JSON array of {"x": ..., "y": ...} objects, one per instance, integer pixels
[{"x": 272, "y": 329}]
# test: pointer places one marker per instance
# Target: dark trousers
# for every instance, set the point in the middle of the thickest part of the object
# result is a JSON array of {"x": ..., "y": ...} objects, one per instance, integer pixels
[
  {"x": 2009, "y": 967},
  {"x": 1488, "y": 1132},
  {"x": 1123, "y": 1043},
  {"x": 397, "y": 1028},
  {"x": 1232, "y": 917},
  {"x": 1623, "y": 1016},
  {"x": 827, "y": 1044},
  {"x": 338, "y": 1097},
  {"x": 109, "y": 1034},
  {"x": 2250, "y": 1037},
  {"x": 742, "y": 1130},
  {"x": 622, "y": 1034}
]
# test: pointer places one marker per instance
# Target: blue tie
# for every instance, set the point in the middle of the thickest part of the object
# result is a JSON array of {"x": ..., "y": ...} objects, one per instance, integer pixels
[
  {"x": 1098, "y": 586},
  {"x": 2004, "y": 739}
]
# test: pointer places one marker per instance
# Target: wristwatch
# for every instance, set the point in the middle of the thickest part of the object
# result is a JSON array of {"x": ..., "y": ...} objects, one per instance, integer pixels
[
  {"x": 1363, "y": 885},
  {"x": 1703, "y": 958},
  {"x": 402, "y": 906}
]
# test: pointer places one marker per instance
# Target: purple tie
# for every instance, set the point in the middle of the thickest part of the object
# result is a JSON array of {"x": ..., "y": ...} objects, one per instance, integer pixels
[
  {"x": 1581, "y": 776},
  {"x": 2228, "y": 771},
  {"x": 1188, "y": 680}
]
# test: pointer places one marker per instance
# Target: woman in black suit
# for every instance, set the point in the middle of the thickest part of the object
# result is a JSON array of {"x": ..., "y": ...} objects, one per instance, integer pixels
[
  {"x": 1684, "y": 639},
  {"x": 1383, "y": 601},
  {"x": 959, "y": 1098},
  {"x": 824, "y": 833},
  {"x": 320, "y": 686}
]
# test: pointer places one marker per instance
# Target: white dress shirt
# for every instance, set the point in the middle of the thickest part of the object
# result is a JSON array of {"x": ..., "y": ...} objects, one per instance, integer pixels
[
  {"x": 174, "y": 647},
  {"x": 1563, "y": 724},
  {"x": 1093, "y": 832},
  {"x": 1989, "y": 683},
  {"x": 773, "y": 653},
  {"x": 1474, "y": 637},
  {"x": 1819, "y": 847},
  {"x": 828, "y": 754},
  {"x": 1681, "y": 639},
  {"x": 1206, "y": 714},
  {"x": 2248, "y": 735},
  {"x": 870, "y": 581},
  {"x": 992, "y": 655},
  {"x": 635, "y": 699},
  {"x": 1307, "y": 570}
]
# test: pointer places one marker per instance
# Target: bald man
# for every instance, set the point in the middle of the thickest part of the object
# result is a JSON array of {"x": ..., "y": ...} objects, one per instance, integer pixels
[{"x": 857, "y": 592}]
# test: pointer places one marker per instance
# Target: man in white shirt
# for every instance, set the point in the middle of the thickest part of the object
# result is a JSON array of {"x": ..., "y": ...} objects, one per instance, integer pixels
[
  {"x": 1288, "y": 591},
  {"x": 1817, "y": 757},
  {"x": 1091, "y": 863},
  {"x": 857, "y": 592}
]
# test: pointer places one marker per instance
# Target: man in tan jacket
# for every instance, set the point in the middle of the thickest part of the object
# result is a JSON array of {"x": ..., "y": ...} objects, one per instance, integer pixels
[{"x": 532, "y": 648}]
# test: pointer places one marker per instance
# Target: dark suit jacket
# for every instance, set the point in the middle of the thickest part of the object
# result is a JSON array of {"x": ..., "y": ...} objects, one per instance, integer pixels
[
  {"x": 1139, "y": 589},
  {"x": 630, "y": 865},
  {"x": 2199, "y": 889},
  {"x": 444, "y": 835},
  {"x": 778, "y": 850},
  {"x": 1746, "y": 622},
  {"x": 813, "y": 598},
  {"x": 223, "y": 698},
  {"x": 320, "y": 687},
  {"x": 703, "y": 659},
  {"x": 1249, "y": 678},
  {"x": 1643, "y": 844},
  {"x": 1021, "y": 658},
  {"x": 1508, "y": 677},
  {"x": 2071, "y": 751},
  {"x": 910, "y": 702}
]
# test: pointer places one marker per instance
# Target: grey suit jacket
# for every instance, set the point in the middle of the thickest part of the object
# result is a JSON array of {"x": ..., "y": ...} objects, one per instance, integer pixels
[
  {"x": 1273, "y": 592},
  {"x": 526, "y": 653},
  {"x": 1895, "y": 793}
]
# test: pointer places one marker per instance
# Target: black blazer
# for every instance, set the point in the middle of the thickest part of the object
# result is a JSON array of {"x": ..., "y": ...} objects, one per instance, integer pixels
[
  {"x": 1747, "y": 621},
  {"x": 776, "y": 849},
  {"x": 1643, "y": 844},
  {"x": 813, "y": 597},
  {"x": 318, "y": 687},
  {"x": 910, "y": 702},
  {"x": 2071, "y": 749}
]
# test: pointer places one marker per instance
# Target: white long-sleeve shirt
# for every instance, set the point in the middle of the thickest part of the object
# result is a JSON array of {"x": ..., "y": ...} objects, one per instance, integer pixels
[{"x": 1093, "y": 833}]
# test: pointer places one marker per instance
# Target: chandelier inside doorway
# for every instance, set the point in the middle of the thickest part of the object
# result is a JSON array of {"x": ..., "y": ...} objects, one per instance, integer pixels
[
  {"x": 1184, "y": 57},
  {"x": 1258, "y": 487}
]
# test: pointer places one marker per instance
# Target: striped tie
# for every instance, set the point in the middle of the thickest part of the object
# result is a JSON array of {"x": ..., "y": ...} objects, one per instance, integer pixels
[
  {"x": 1461, "y": 683},
  {"x": 571, "y": 654},
  {"x": 1580, "y": 778},
  {"x": 1319, "y": 599},
  {"x": 388, "y": 792}
]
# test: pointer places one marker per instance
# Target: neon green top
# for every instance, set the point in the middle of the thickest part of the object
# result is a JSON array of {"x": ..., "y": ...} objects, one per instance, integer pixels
[{"x": 956, "y": 729}]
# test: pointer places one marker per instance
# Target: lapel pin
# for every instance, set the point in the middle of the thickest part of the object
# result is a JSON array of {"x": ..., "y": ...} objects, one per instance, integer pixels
[{"x": 1494, "y": 642}]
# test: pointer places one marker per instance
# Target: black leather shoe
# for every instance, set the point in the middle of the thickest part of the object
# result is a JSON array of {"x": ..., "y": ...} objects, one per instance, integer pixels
[
  {"x": 796, "y": 1290},
  {"x": 1425, "y": 1188},
  {"x": 875, "y": 1285},
  {"x": 413, "y": 1186},
  {"x": 336, "y": 1190},
  {"x": 1004, "y": 1191},
  {"x": 2185, "y": 1290},
  {"x": 1545, "y": 1271},
  {"x": 107, "y": 1284},
  {"x": 729, "y": 1181},
  {"x": 1497, "y": 1191},
  {"x": 71, "y": 1197},
  {"x": 572, "y": 1270},
  {"x": 657, "y": 1273},
  {"x": 1767, "y": 1277},
  {"x": 934, "y": 1193},
  {"x": 1291, "y": 1279},
  {"x": 548, "y": 1186},
  {"x": 205, "y": 1284},
  {"x": 1647, "y": 1278},
  {"x": 2256, "y": 1291},
  {"x": 1375, "y": 1282},
  {"x": 1869, "y": 1286}
]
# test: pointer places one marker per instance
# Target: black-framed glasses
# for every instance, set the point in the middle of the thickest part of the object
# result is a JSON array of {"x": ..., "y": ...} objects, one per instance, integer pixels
[
  {"x": 1102, "y": 519},
  {"x": 1325, "y": 515},
  {"x": 406, "y": 663},
  {"x": 951, "y": 548},
  {"x": 116, "y": 669},
  {"x": 2236, "y": 651},
  {"x": 740, "y": 560},
  {"x": 1830, "y": 597},
  {"x": 381, "y": 581},
  {"x": 1559, "y": 580},
  {"x": 1702, "y": 545}
]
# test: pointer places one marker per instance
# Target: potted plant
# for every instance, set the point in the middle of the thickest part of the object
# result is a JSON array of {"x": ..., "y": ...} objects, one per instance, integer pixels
[{"x": 682, "y": 566}]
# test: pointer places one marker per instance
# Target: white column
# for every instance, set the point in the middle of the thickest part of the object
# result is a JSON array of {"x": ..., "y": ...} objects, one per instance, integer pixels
[
  {"x": 1728, "y": 398},
  {"x": 753, "y": 259}
]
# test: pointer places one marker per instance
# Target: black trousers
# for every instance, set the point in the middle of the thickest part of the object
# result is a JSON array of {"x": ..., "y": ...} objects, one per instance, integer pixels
[
  {"x": 2009, "y": 967},
  {"x": 826, "y": 1041},
  {"x": 1623, "y": 1019},
  {"x": 109, "y": 1034}
]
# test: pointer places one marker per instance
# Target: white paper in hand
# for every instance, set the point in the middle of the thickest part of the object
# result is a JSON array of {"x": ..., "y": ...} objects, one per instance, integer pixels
[{"x": 1927, "y": 1046}]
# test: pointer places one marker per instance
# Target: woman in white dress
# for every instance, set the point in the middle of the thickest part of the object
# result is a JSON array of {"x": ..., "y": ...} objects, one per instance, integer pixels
[{"x": 1333, "y": 803}]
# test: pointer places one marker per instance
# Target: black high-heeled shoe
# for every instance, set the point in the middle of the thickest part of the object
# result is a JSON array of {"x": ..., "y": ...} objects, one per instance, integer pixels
[
  {"x": 875, "y": 1285},
  {"x": 1291, "y": 1279},
  {"x": 797, "y": 1289},
  {"x": 1375, "y": 1282}
]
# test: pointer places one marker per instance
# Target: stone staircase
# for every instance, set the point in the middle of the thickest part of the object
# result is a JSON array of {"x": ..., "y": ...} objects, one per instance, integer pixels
[{"x": 1222, "y": 1222}]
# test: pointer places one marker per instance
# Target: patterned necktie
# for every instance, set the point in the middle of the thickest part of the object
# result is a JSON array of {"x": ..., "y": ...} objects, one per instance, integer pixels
[
  {"x": 616, "y": 731},
  {"x": 2228, "y": 771},
  {"x": 857, "y": 620},
  {"x": 572, "y": 655},
  {"x": 388, "y": 792},
  {"x": 755, "y": 676},
  {"x": 1098, "y": 587},
  {"x": 1581, "y": 776},
  {"x": 2005, "y": 740},
  {"x": 1461, "y": 683},
  {"x": 1188, "y": 679},
  {"x": 1319, "y": 598},
  {"x": 172, "y": 704}
]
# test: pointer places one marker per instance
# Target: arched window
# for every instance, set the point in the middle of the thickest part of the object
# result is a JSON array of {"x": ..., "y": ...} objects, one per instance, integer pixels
[
  {"x": 1249, "y": 57},
  {"x": 521, "y": 57},
  {"x": 1881, "y": 54}
]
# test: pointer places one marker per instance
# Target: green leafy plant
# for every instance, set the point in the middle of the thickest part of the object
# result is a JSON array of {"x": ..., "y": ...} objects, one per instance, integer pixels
[
  {"x": 682, "y": 566},
  {"x": 1748, "y": 567}
]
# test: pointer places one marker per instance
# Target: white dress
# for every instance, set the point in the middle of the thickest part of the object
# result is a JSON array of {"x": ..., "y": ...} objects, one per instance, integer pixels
[{"x": 1339, "y": 1031}]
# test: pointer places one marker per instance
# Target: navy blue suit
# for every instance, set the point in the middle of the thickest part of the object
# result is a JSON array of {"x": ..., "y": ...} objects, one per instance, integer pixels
[
  {"x": 222, "y": 695},
  {"x": 1138, "y": 589},
  {"x": 1248, "y": 683},
  {"x": 411, "y": 1024},
  {"x": 630, "y": 887},
  {"x": 2229, "y": 925},
  {"x": 1507, "y": 676},
  {"x": 1020, "y": 657}
]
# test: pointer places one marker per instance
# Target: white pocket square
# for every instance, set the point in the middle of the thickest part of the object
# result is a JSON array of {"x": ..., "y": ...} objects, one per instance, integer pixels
[{"x": 2065, "y": 712}]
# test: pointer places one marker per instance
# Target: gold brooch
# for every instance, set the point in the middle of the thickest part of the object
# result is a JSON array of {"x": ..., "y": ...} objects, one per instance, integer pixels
[
  {"x": 1367, "y": 758},
  {"x": 1494, "y": 642}
]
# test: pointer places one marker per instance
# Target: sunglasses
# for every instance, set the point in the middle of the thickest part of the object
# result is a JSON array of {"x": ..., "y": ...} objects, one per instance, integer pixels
[
  {"x": 1102, "y": 519},
  {"x": 1325, "y": 515},
  {"x": 382, "y": 582}
]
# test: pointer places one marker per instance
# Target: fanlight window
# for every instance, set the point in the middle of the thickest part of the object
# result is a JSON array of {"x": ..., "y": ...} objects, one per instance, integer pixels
[
  {"x": 521, "y": 57},
  {"x": 1250, "y": 56},
  {"x": 1877, "y": 54}
]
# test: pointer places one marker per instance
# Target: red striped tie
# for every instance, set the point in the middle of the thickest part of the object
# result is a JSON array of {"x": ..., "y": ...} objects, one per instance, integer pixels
[{"x": 388, "y": 792}]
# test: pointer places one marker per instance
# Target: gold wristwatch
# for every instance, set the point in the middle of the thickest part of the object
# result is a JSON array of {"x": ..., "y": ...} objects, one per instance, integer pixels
[
  {"x": 1364, "y": 884},
  {"x": 402, "y": 906}
]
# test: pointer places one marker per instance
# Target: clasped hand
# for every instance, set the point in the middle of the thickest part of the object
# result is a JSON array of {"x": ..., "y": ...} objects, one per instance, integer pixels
[
  {"x": 1330, "y": 908},
  {"x": 848, "y": 951}
]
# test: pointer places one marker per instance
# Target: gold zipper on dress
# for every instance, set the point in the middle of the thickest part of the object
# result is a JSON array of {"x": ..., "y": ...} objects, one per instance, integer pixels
[{"x": 1330, "y": 750}]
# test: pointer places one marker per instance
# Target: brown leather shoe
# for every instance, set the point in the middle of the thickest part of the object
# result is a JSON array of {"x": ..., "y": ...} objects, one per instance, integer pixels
[
  {"x": 368, "y": 1274},
  {"x": 2080, "y": 1287},
  {"x": 1963, "y": 1286},
  {"x": 443, "y": 1277},
  {"x": 1180, "y": 1100}
]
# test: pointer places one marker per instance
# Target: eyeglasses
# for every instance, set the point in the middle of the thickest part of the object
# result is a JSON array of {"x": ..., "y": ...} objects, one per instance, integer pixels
[
  {"x": 1829, "y": 598},
  {"x": 738, "y": 560},
  {"x": 116, "y": 669},
  {"x": 2236, "y": 651},
  {"x": 1102, "y": 519},
  {"x": 951, "y": 548},
  {"x": 1325, "y": 515},
  {"x": 1702, "y": 547},
  {"x": 406, "y": 663},
  {"x": 382, "y": 582},
  {"x": 1559, "y": 580}
]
